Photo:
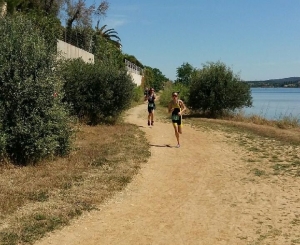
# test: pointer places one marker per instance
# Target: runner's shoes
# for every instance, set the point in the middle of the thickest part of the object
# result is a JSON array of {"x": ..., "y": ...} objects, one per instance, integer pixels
[
  {"x": 152, "y": 123},
  {"x": 178, "y": 146},
  {"x": 148, "y": 123}
]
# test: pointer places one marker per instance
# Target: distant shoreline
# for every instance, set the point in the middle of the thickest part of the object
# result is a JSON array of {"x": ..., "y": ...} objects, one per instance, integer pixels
[{"x": 290, "y": 82}]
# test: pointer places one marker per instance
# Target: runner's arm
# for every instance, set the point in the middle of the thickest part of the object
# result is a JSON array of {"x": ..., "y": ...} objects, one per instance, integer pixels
[
  {"x": 170, "y": 107},
  {"x": 182, "y": 106}
]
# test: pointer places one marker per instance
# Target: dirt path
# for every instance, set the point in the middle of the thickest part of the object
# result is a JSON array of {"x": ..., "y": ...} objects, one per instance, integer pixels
[{"x": 197, "y": 194}]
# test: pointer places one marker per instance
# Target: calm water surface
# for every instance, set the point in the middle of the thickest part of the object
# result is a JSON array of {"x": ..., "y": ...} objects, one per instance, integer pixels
[{"x": 275, "y": 103}]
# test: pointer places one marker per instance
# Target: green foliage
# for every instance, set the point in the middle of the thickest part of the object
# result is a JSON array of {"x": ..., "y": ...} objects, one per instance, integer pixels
[
  {"x": 80, "y": 37},
  {"x": 185, "y": 73},
  {"x": 138, "y": 94},
  {"x": 47, "y": 7},
  {"x": 33, "y": 121},
  {"x": 49, "y": 25},
  {"x": 153, "y": 78},
  {"x": 2, "y": 144},
  {"x": 107, "y": 53},
  {"x": 99, "y": 93},
  {"x": 216, "y": 88},
  {"x": 110, "y": 35},
  {"x": 169, "y": 88},
  {"x": 133, "y": 60},
  {"x": 12, "y": 5},
  {"x": 25, "y": 6}
]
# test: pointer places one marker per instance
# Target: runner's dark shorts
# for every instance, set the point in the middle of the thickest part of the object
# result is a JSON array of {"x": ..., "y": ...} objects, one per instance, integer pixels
[
  {"x": 151, "y": 107},
  {"x": 178, "y": 122}
]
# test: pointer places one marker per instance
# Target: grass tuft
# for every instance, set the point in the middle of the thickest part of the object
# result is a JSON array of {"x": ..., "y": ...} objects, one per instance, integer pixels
[{"x": 37, "y": 199}]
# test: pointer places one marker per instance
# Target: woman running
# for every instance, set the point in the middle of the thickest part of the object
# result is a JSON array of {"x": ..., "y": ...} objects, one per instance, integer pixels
[
  {"x": 151, "y": 106},
  {"x": 177, "y": 107}
]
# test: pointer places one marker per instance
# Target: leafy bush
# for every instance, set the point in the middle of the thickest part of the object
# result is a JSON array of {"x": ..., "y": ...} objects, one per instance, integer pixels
[
  {"x": 138, "y": 94},
  {"x": 153, "y": 78},
  {"x": 2, "y": 144},
  {"x": 34, "y": 122},
  {"x": 99, "y": 93},
  {"x": 185, "y": 73},
  {"x": 216, "y": 88},
  {"x": 106, "y": 52},
  {"x": 49, "y": 26},
  {"x": 166, "y": 95}
]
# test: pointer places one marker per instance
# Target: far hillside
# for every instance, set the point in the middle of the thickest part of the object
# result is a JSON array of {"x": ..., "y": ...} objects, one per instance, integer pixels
[{"x": 293, "y": 82}]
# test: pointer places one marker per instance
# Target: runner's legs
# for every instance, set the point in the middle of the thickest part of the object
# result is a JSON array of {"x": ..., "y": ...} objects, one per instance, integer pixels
[
  {"x": 152, "y": 117},
  {"x": 176, "y": 128}
]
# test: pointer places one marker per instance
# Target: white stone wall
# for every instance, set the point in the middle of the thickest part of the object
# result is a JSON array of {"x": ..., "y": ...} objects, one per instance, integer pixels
[
  {"x": 135, "y": 71},
  {"x": 69, "y": 51},
  {"x": 136, "y": 78}
]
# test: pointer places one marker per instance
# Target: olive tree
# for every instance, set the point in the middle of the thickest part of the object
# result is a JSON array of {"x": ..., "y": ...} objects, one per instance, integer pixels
[
  {"x": 216, "y": 88},
  {"x": 184, "y": 74},
  {"x": 97, "y": 92},
  {"x": 33, "y": 122}
]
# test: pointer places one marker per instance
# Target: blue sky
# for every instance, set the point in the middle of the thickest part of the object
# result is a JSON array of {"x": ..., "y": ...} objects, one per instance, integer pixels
[{"x": 258, "y": 39}]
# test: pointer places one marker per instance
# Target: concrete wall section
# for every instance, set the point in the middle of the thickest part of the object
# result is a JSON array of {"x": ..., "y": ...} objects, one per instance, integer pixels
[
  {"x": 136, "y": 78},
  {"x": 69, "y": 51}
]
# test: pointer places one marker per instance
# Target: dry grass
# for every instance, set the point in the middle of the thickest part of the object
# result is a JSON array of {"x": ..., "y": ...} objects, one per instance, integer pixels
[
  {"x": 267, "y": 150},
  {"x": 266, "y": 141},
  {"x": 38, "y": 199},
  {"x": 286, "y": 122},
  {"x": 271, "y": 147},
  {"x": 291, "y": 135},
  {"x": 270, "y": 159}
]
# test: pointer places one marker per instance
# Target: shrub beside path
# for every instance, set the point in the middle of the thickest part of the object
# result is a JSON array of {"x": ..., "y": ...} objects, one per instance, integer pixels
[{"x": 201, "y": 193}]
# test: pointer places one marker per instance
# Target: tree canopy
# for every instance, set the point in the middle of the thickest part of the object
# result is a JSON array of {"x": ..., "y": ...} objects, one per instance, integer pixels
[
  {"x": 215, "y": 88},
  {"x": 184, "y": 73},
  {"x": 154, "y": 78}
]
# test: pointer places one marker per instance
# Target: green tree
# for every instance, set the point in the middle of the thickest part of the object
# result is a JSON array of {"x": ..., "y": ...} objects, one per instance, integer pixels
[
  {"x": 12, "y": 6},
  {"x": 154, "y": 78},
  {"x": 185, "y": 73},
  {"x": 148, "y": 78},
  {"x": 98, "y": 93},
  {"x": 169, "y": 88},
  {"x": 216, "y": 88},
  {"x": 133, "y": 60},
  {"x": 48, "y": 25},
  {"x": 81, "y": 15},
  {"x": 48, "y": 7},
  {"x": 110, "y": 35},
  {"x": 107, "y": 53},
  {"x": 34, "y": 122}
]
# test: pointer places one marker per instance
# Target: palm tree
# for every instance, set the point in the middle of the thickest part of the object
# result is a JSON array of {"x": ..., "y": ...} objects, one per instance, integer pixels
[{"x": 108, "y": 35}]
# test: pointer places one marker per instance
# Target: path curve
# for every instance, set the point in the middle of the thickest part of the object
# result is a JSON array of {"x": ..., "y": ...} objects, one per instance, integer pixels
[{"x": 181, "y": 196}]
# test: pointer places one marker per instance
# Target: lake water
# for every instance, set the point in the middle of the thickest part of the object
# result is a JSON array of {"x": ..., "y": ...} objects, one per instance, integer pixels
[{"x": 275, "y": 103}]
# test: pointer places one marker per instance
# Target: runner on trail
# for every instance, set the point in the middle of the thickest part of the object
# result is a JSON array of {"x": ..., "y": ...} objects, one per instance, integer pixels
[
  {"x": 151, "y": 106},
  {"x": 177, "y": 107}
]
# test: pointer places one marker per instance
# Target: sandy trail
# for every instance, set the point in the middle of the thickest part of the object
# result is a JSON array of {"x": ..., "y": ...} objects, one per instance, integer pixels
[{"x": 192, "y": 195}]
